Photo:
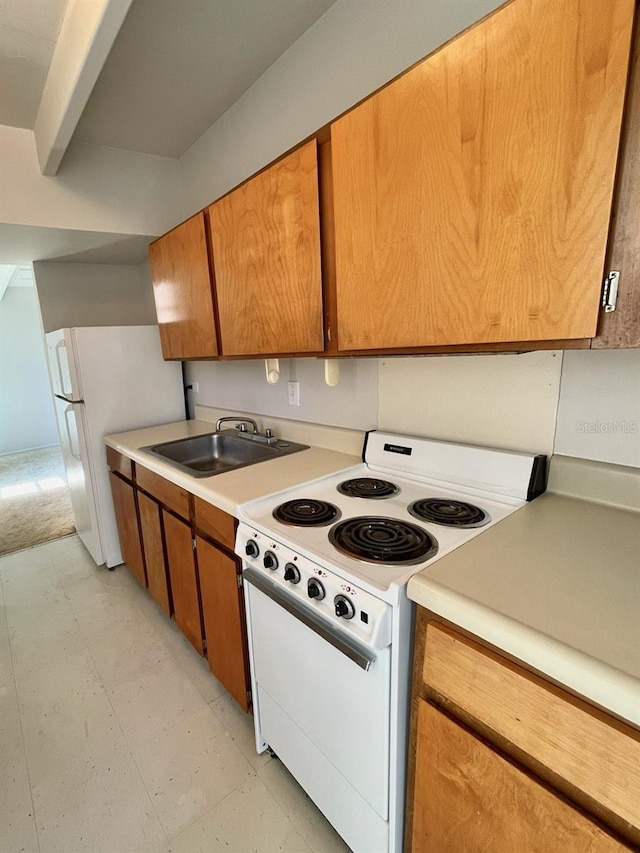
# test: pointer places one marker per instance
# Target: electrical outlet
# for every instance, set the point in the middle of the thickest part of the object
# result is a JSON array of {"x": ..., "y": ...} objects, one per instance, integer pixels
[{"x": 294, "y": 393}]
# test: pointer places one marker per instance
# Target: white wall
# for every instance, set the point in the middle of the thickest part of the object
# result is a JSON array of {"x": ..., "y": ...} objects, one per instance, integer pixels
[
  {"x": 242, "y": 387},
  {"x": 26, "y": 411},
  {"x": 506, "y": 401},
  {"x": 94, "y": 295},
  {"x": 96, "y": 189},
  {"x": 599, "y": 408},
  {"x": 356, "y": 47}
]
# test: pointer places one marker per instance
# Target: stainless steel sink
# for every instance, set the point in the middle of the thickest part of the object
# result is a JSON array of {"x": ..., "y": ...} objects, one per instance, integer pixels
[{"x": 217, "y": 452}]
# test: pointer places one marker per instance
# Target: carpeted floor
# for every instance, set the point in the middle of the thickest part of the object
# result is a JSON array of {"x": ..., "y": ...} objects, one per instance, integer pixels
[{"x": 34, "y": 499}]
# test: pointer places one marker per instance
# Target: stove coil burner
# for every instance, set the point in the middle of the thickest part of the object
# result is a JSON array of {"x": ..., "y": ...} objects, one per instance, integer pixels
[
  {"x": 306, "y": 512},
  {"x": 451, "y": 513},
  {"x": 377, "y": 539},
  {"x": 368, "y": 487}
]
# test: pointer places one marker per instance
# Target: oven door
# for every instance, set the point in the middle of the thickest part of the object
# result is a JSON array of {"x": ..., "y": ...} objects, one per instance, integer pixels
[{"x": 321, "y": 702}]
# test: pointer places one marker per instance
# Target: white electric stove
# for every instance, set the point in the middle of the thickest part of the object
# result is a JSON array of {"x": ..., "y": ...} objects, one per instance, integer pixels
[{"x": 325, "y": 567}]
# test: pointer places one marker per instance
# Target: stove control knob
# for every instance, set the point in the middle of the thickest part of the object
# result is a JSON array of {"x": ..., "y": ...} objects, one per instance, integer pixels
[
  {"x": 270, "y": 561},
  {"x": 344, "y": 607},
  {"x": 251, "y": 548},
  {"x": 315, "y": 590},
  {"x": 292, "y": 573}
]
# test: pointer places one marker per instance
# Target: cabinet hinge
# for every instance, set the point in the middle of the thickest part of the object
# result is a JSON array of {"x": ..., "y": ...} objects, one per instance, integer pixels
[
  {"x": 248, "y": 697},
  {"x": 193, "y": 543},
  {"x": 610, "y": 291},
  {"x": 239, "y": 580}
]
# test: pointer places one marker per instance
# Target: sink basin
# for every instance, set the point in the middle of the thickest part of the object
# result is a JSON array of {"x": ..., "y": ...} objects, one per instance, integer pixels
[{"x": 217, "y": 452}]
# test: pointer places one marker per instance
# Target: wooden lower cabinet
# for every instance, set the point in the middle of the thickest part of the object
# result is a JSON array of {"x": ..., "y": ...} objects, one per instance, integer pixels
[
  {"x": 151, "y": 530},
  {"x": 181, "y": 548},
  {"x": 503, "y": 761},
  {"x": 470, "y": 798},
  {"x": 223, "y": 613},
  {"x": 124, "y": 504},
  {"x": 183, "y": 578}
]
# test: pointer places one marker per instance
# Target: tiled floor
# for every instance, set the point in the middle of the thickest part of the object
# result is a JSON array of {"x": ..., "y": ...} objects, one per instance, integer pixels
[{"x": 114, "y": 737}]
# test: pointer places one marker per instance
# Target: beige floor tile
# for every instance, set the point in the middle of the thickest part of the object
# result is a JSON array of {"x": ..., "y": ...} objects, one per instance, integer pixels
[
  {"x": 240, "y": 727},
  {"x": 190, "y": 769},
  {"x": 154, "y": 702},
  {"x": 305, "y": 817},
  {"x": 73, "y": 745},
  {"x": 111, "y": 813},
  {"x": 17, "y": 821},
  {"x": 28, "y": 587},
  {"x": 249, "y": 820},
  {"x": 40, "y": 618},
  {"x": 47, "y": 651},
  {"x": 101, "y": 611},
  {"x": 61, "y": 688},
  {"x": 127, "y": 652}
]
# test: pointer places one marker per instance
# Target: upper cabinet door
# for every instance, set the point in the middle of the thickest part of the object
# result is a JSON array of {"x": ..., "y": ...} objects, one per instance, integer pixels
[
  {"x": 265, "y": 237},
  {"x": 182, "y": 291},
  {"x": 472, "y": 195}
]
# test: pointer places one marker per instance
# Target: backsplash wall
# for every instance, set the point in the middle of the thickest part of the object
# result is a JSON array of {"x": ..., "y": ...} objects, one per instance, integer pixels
[
  {"x": 505, "y": 401},
  {"x": 599, "y": 407},
  {"x": 578, "y": 403},
  {"x": 242, "y": 386}
]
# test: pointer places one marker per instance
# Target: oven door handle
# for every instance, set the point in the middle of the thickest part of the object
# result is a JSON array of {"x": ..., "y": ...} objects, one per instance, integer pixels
[{"x": 358, "y": 654}]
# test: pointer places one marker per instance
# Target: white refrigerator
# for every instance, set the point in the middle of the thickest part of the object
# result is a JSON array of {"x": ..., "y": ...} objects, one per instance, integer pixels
[{"x": 106, "y": 379}]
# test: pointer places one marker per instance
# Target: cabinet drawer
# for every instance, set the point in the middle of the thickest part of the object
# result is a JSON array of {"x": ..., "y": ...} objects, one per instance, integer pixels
[
  {"x": 596, "y": 755},
  {"x": 489, "y": 803},
  {"x": 216, "y": 523},
  {"x": 119, "y": 463},
  {"x": 170, "y": 495}
]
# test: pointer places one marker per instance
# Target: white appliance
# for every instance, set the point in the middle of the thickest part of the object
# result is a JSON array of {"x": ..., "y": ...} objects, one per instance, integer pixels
[
  {"x": 325, "y": 567},
  {"x": 106, "y": 379}
]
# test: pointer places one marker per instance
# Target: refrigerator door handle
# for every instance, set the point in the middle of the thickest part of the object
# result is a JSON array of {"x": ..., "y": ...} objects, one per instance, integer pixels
[
  {"x": 61, "y": 345},
  {"x": 74, "y": 450},
  {"x": 67, "y": 399}
]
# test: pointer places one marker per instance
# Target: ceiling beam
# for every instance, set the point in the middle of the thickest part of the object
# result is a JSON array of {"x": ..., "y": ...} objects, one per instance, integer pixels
[
  {"x": 88, "y": 31},
  {"x": 7, "y": 272}
]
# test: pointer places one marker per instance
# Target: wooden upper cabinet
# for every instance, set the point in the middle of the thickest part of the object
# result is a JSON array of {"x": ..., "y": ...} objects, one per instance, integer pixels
[
  {"x": 183, "y": 292},
  {"x": 265, "y": 238},
  {"x": 621, "y": 328},
  {"x": 472, "y": 195}
]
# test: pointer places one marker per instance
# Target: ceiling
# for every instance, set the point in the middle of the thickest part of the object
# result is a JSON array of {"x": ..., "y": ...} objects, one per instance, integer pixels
[
  {"x": 28, "y": 33},
  {"x": 176, "y": 67},
  {"x": 172, "y": 71}
]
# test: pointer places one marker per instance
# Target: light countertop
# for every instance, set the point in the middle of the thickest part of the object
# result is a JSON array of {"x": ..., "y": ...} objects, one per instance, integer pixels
[
  {"x": 557, "y": 585},
  {"x": 232, "y": 488}
]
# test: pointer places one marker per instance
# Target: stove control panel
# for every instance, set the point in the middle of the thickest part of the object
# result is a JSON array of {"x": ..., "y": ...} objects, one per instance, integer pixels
[{"x": 351, "y": 609}]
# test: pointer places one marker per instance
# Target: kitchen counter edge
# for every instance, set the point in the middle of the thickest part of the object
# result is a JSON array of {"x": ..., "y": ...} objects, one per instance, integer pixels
[{"x": 521, "y": 622}]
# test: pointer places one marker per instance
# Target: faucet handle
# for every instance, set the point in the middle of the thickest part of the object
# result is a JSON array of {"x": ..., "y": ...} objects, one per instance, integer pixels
[
  {"x": 268, "y": 433},
  {"x": 242, "y": 427}
]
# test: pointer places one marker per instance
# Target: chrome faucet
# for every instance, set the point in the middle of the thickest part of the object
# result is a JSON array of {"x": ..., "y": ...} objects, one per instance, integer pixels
[
  {"x": 240, "y": 424},
  {"x": 253, "y": 434}
]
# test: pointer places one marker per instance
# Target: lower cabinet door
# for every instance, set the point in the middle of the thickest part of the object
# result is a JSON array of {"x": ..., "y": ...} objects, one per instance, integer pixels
[
  {"x": 183, "y": 579},
  {"x": 124, "y": 504},
  {"x": 151, "y": 528},
  {"x": 469, "y": 798},
  {"x": 223, "y": 620}
]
